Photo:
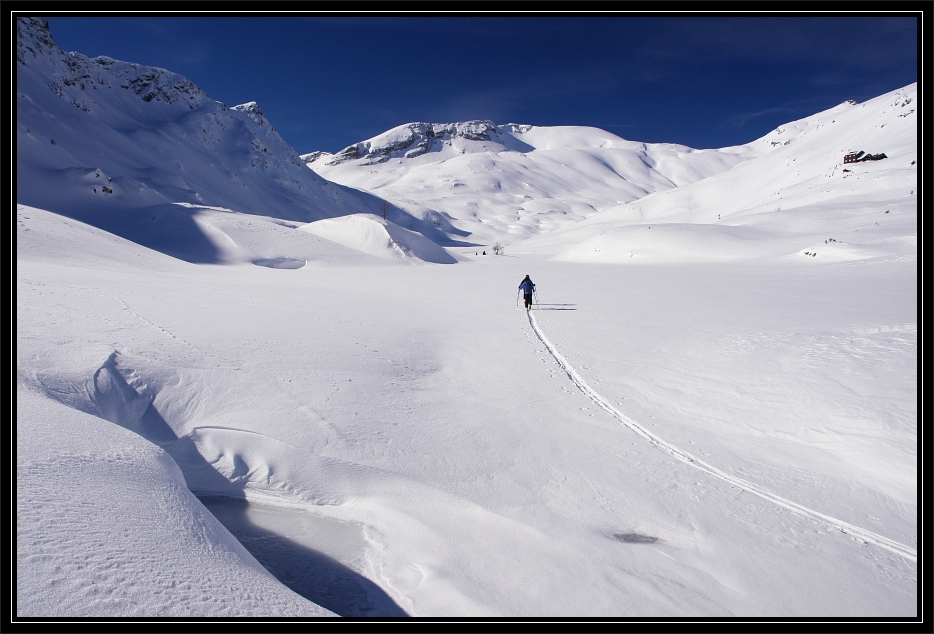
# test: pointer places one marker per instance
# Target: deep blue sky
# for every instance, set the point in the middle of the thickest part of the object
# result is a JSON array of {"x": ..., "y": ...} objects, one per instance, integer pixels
[{"x": 326, "y": 83}]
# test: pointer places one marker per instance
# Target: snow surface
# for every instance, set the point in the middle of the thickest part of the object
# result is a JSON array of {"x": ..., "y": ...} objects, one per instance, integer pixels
[{"x": 720, "y": 424}]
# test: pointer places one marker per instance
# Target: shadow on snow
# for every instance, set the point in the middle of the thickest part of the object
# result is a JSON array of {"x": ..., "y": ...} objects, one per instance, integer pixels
[
  {"x": 313, "y": 575},
  {"x": 307, "y": 572}
]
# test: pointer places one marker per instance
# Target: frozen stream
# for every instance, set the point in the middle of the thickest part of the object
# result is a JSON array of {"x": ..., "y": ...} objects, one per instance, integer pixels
[{"x": 317, "y": 557}]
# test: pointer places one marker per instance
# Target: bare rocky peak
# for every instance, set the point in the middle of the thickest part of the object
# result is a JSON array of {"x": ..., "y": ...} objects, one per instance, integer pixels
[
  {"x": 414, "y": 139},
  {"x": 311, "y": 157},
  {"x": 33, "y": 39},
  {"x": 76, "y": 78}
]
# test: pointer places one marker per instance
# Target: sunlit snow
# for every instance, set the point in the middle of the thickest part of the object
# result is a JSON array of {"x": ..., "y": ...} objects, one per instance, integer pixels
[{"x": 710, "y": 410}]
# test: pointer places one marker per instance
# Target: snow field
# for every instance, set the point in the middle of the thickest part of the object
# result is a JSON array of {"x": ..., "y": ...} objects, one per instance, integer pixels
[
  {"x": 684, "y": 456},
  {"x": 418, "y": 403}
]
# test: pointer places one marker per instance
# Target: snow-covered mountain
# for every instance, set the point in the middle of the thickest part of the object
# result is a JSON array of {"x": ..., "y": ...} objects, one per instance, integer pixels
[
  {"x": 798, "y": 195},
  {"x": 510, "y": 182},
  {"x": 545, "y": 189},
  {"x": 380, "y": 237},
  {"x": 146, "y": 154}
]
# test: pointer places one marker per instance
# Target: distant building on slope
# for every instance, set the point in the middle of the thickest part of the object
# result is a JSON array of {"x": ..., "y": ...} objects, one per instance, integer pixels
[{"x": 859, "y": 157}]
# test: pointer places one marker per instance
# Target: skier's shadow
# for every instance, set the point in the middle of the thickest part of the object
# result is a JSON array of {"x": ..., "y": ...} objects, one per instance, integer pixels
[{"x": 554, "y": 307}]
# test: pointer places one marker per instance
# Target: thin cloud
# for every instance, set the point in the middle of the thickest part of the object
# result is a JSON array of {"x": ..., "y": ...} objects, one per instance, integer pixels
[
  {"x": 789, "y": 111},
  {"x": 739, "y": 119}
]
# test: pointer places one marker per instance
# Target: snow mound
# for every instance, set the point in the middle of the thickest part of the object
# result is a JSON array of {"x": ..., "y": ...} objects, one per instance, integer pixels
[{"x": 382, "y": 238}]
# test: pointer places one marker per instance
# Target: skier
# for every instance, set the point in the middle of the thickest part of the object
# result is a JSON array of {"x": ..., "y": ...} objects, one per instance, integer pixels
[{"x": 527, "y": 287}]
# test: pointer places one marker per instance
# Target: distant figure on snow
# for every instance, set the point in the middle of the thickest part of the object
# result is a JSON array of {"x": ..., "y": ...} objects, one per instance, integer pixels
[{"x": 527, "y": 288}]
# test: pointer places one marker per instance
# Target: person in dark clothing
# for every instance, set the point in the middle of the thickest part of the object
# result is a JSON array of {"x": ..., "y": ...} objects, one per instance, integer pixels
[{"x": 527, "y": 288}]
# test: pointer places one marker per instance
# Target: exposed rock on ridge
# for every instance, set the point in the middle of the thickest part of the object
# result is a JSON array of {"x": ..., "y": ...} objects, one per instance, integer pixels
[{"x": 414, "y": 139}]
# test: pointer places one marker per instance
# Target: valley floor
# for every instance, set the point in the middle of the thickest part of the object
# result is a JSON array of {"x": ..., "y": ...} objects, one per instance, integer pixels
[{"x": 424, "y": 405}]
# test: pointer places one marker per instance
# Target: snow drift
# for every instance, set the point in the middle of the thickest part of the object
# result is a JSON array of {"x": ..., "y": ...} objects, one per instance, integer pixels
[
  {"x": 382, "y": 238},
  {"x": 475, "y": 452},
  {"x": 79, "y": 480}
]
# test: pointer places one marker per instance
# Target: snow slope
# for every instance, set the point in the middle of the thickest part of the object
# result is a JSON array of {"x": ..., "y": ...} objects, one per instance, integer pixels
[
  {"x": 146, "y": 154},
  {"x": 377, "y": 236},
  {"x": 587, "y": 195},
  {"x": 796, "y": 197},
  {"x": 510, "y": 182}
]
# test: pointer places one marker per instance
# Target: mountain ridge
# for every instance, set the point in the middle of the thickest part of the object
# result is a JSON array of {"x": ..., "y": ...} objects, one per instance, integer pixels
[{"x": 140, "y": 151}]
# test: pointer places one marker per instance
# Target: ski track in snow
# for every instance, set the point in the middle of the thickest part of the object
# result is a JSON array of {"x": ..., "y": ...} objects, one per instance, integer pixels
[{"x": 867, "y": 536}]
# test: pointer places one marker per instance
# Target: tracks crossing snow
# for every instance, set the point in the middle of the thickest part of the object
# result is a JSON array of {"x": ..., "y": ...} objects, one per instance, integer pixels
[{"x": 676, "y": 452}]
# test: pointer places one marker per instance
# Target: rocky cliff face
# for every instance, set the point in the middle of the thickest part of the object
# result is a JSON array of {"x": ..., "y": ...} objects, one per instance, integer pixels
[
  {"x": 82, "y": 80},
  {"x": 415, "y": 139}
]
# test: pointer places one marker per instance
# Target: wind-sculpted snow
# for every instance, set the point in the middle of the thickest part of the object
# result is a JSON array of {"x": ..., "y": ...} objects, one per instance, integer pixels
[
  {"x": 379, "y": 237},
  {"x": 126, "y": 403},
  {"x": 106, "y": 527},
  {"x": 744, "y": 444},
  {"x": 415, "y": 403}
]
